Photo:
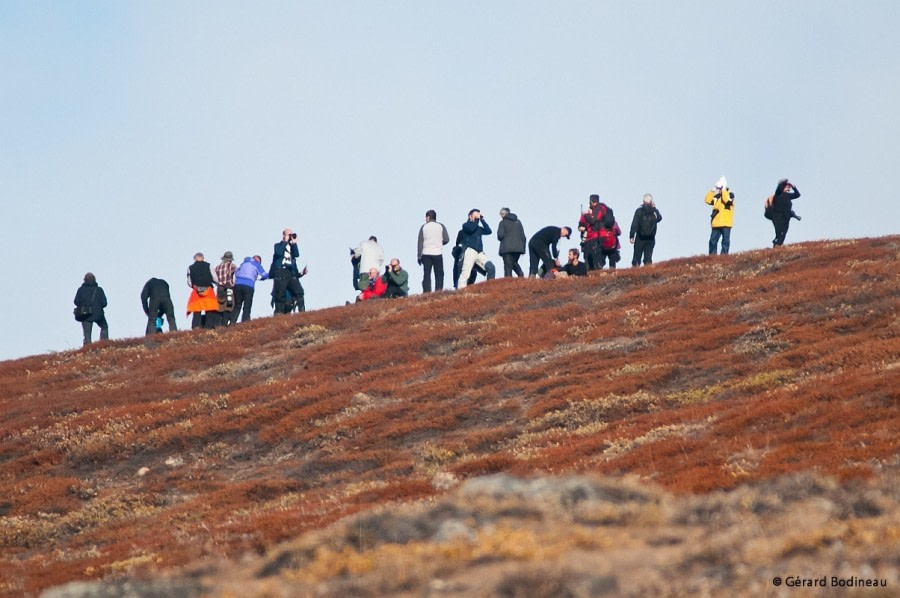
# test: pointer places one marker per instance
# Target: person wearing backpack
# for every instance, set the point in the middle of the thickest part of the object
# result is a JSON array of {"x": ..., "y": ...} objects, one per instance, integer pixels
[
  {"x": 722, "y": 219},
  {"x": 597, "y": 217},
  {"x": 643, "y": 231},
  {"x": 90, "y": 300},
  {"x": 782, "y": 209},
  {"x": 245, "y": 278},
  {"x": 608, "y": 241}
]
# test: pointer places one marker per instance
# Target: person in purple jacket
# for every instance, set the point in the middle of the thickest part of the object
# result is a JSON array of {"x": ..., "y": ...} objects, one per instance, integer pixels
[{"x": 245, "y": 278}]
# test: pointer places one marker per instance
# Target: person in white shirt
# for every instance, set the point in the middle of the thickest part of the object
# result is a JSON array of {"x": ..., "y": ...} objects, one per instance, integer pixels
[
  {"x": 367, "y": 255},
  {"x": 432, "y": 238}
]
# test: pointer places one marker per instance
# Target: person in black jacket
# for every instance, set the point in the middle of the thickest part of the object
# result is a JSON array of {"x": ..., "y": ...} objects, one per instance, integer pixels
[
  {"x": 202, "y": 303},
  {"x": 472, "y": 245},
  {"x": 489, "y": 271},
  {"x": 511, "y": 235},
  {"x": 573, "y": 267},
  {"x": 783, "y": 209},
  {"x": 156, "y": 301},
  {"x": 92, "y": 298},
  {"x": 287, "y": 292},
  {"x": 643, "y": 231},
  {"x": 542, "y": 248}
]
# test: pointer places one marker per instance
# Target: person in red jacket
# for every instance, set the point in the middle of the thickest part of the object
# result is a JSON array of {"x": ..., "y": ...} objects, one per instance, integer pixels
[
  {"x": 592, "y": 221},
  {"x": 372, "y": 285}
]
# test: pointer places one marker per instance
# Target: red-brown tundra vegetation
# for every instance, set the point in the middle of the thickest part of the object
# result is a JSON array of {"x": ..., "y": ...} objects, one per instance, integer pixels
[{"x": 147, "y": 456}]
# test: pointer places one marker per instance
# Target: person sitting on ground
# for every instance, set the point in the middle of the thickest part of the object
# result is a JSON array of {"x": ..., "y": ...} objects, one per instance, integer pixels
[
  {"x": 372, "y": 285},
  {"x": 572, "y": 267},
  {"x": 397, "y": 280}
]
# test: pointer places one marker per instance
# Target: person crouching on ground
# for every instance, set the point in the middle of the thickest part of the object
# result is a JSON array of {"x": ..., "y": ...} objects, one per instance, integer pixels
[
  {"x": 397, "y": 280},
  {"x": 542, "y": 249},
  {"x": 372, "y": 285}
]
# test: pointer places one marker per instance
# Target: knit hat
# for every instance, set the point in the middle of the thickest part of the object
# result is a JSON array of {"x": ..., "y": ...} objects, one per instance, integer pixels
[
  {"x": 595, "y": 198},
  {"x": 228, "y": 257},
  {"x": 721, "y": 183}
]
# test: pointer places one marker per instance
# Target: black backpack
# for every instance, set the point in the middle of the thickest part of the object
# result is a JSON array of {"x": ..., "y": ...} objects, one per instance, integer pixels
[
  {"x": 647, "y": 224},
  {"x": 606, "y": 219}
]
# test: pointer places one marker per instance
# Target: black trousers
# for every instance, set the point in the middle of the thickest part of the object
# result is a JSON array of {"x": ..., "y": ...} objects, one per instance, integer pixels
[
  {"x": 435, "y": 263},
  {"x": 205, "y": 319},
  {"x": 87, "y": 328},
  {"x": 287, "y": 292},
  {"x": 243, "y": 303},
  {"x": 612, "y": 255},
  {"x": 511, "y": 264},
  {"x": 536, "y": 254},
  {"x": 393, "y": 292},
  {"x": 593, "y": 254},
  {"x": 158, "y": 307},
  {"x": 643, "y": 249},
  {"x": 782, "y": 222}
]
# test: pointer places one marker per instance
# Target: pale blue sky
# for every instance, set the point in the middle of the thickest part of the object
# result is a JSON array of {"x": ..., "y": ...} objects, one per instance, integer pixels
[{"x": 133, "y": 134}]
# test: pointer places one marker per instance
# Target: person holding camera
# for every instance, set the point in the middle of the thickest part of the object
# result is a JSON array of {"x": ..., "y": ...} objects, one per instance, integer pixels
[
  {"x": 722, "y": 219},
  {"x": 472, "y": 245},
  {"x": 783, "y": 209},
  {"x": 287, "y": 292},
  {"x": 371, "y": 285},
  {"x": 397, "y": 280}
]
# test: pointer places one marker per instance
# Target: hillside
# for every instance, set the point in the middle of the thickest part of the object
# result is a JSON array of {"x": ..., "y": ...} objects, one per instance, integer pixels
[{"x": 701, "y": 379}]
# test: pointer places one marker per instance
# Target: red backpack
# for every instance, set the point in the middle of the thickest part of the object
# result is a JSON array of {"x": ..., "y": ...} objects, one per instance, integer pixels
[{"x": 609, "y": 237}]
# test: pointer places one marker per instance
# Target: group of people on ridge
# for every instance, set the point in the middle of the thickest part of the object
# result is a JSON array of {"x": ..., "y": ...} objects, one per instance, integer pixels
[{"x": 218, "y": 296}]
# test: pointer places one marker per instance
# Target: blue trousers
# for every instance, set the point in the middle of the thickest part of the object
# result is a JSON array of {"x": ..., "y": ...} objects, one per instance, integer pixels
[{"x": 725, "y": 233}]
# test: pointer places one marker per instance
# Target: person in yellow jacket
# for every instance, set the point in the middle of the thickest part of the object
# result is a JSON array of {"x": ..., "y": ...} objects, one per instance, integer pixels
[{"x": 722, "y": 201}]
